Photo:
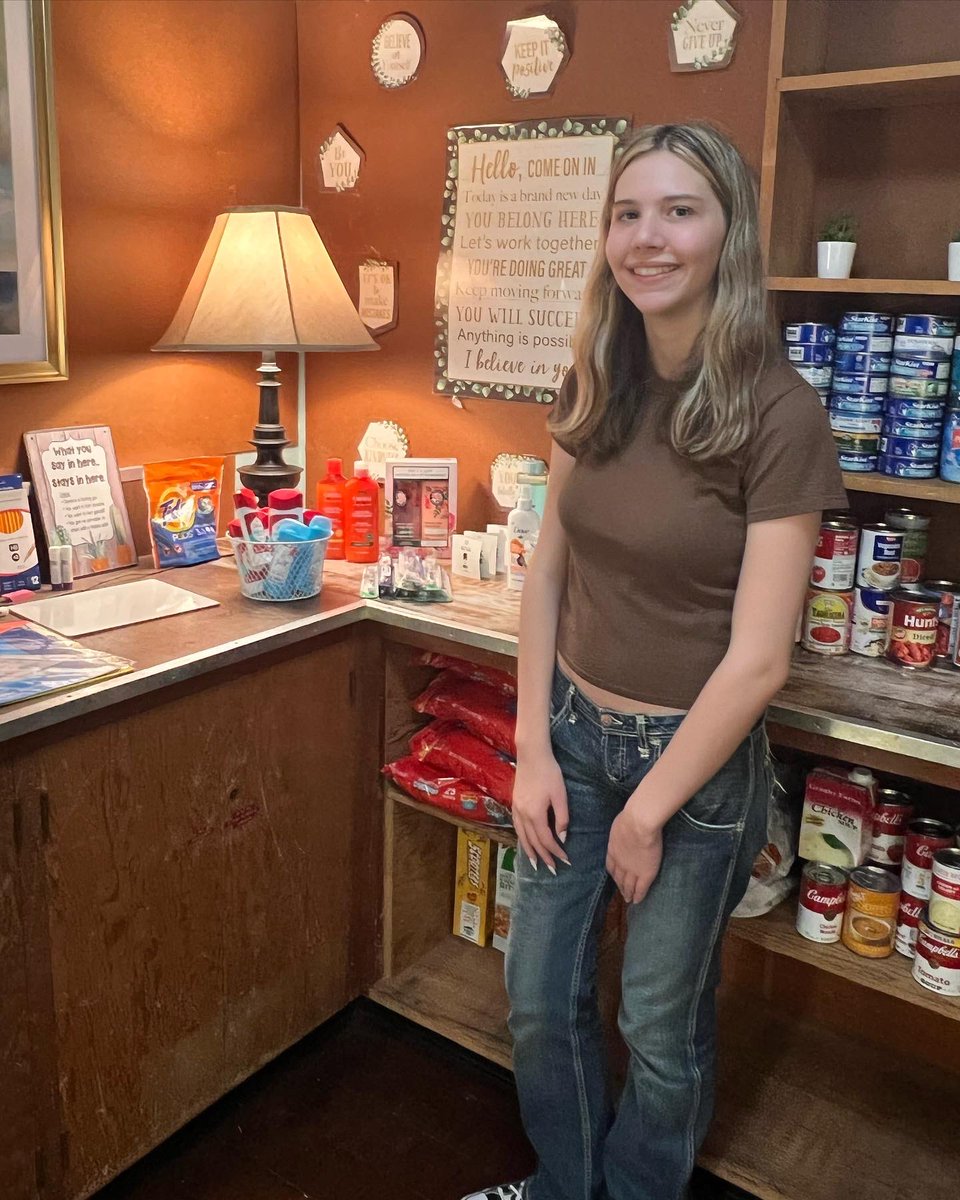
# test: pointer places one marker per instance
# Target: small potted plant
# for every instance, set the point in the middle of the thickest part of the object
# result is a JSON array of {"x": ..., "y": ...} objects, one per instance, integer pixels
[
  {"x": 953, "y": 258},
  {"x": 835, "y": 248}
]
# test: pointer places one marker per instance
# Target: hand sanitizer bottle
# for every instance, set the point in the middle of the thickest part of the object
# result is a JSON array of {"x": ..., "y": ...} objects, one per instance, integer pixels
[{"x": 523, "y": 528}]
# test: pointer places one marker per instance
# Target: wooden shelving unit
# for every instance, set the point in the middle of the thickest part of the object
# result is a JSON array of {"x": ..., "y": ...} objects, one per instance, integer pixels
[
  {"x": 922, "y": 83},
  {"x": 864, "y": 287},
  {"x": 910, "y": 489},
  {"x": 506, "y": 836}
]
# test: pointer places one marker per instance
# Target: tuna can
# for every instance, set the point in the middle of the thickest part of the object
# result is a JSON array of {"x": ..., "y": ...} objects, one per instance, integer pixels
[
  {"x": 945, "y": 891},
  {"x": 948, "y": 617},
  {"x": 870, "y": 628},
  {"x": 908, "y": 918},
  {"x": 847, "y": 384},
  {"x": 950, "y": 447},
  {"x": 924, "y": 838},
  {"x": 858, "y": 462},
  {"x": 906, "y": 468},
  {"x": 851, "y": 423},
  {"x": 866, "y": 322},
  {"x": 870, "y": 919},
  {"x": 915, "y": 410},
  {"x": 835, "y": 558},
  {"x": 913, "y": 631},
  {"x": 955, "y": 367},
  {"x": 818, "y": 377},
  {"x": 896, "y": 427},
  {"x": 905, "y": 346},
  {"x": 863, "y": 361},
  {"x": 865, "y": 343},
  {"x": 859, "y": 443},
  {"x": 810, "y": 354},
  {"x": 857, "y": 405},
  {"x": 890, "y": 819},
  {"x": 823, "y": 897},
  {"x": 878, "y": 564},
  {"x": 936, "y": 964},
  {"x": 901, "y": 447},
  {"x": 810, "y": 331},
  {"x": 826, "y": 621},
  {"x": 927, "y": 325},
  {"x": 913, "y": 559},
  {"x": 916, "y": 389},
  {"x": 920, "y": 368}
]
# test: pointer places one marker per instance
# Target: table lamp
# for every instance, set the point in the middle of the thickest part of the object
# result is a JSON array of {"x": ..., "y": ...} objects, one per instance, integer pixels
[{"x": 265, "y": 282}]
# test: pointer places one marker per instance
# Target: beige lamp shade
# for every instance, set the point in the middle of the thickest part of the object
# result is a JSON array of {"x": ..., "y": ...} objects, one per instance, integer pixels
[{"x": 265, "y": 282}]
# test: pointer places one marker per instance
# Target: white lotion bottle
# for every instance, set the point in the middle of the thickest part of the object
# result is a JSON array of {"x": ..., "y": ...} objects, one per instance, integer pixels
[{"x": 523, "y": 527}]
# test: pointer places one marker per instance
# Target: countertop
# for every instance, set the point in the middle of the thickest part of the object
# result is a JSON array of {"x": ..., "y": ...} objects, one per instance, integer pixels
[{"x": 870, "y": 702}]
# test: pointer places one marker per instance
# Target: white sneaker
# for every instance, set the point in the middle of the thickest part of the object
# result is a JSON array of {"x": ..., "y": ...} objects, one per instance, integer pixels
[{"x": 505, "y": 1191}]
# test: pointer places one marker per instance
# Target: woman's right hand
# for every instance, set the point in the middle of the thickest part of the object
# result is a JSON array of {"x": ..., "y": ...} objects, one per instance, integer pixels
[{"x": 538, "y": 789}]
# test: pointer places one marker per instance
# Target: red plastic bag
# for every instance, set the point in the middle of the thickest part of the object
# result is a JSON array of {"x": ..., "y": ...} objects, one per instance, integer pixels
[
  {"x": 488, "y": 713},
  {"x": 447, "y": 746},
  {"x": 429, "y": 786},
  {"x": 502, "y": 680}
]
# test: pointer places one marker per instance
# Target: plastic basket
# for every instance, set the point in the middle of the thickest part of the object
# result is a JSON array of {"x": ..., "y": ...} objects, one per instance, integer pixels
[{"x": 279, "y": 571}]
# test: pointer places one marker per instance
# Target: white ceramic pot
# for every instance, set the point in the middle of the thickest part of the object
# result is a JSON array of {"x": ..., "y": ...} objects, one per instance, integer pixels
[
  {"x": 953, "y": 262},
  {"x": 834, "y": 259}
]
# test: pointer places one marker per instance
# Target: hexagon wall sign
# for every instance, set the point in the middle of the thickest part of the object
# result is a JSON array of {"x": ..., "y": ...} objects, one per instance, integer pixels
[
  {"x": 339, "y": 161},
  {"x": 534, "y": 52},
  {"x": 703, "y": 35}
]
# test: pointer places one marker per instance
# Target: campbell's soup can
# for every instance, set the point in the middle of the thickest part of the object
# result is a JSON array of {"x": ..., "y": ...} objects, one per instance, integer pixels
[
  {"x": 908, "y": 918},
  {"x": 948, "y": 617},
  {"x": 870, "y": 627},
  {"x": 826, "y": 621},
  {"x": 870, "y": 919},
  {"x": 878, "y": 564},
  {"x": 945, "y": 891},
  {"x": 913, "y": 628},
  {"x": 891, "y": 817},
  {"x": 835, "y": 558},
  {"x": 924, "y": 838},
  {"x": 823, "y": 897},
  {"x": 936, "y": 964},
  {"x": 915, "y": 528}
]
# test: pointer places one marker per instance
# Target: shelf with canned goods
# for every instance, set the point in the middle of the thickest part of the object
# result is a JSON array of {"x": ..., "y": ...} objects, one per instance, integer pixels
[
  {"x": 864, "y": 287},
  {"x": 938, "y": 490}
]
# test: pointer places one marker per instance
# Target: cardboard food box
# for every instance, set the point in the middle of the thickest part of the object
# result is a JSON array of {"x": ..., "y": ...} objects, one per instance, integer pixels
[
  {"x": 473, "y": 897},
  {"x": 506, "y": 890},
  {"x": 837, "y": 822}
]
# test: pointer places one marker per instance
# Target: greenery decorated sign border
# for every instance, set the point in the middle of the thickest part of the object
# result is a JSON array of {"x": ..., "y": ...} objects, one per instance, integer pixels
[{"x": 559, "y": 127}]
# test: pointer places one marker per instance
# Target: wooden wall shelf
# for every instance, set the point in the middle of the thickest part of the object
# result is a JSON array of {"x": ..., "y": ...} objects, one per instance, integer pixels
[
  {"x": 910, "y": 489},
  {"x": 506, "y": 836},
  {"x": 865, "y": 287},
  {"x": 923, "y": 83}
]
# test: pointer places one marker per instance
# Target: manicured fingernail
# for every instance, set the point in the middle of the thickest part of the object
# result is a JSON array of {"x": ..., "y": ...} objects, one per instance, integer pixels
[
  {"x": 562, "y": 835},
  {"x": 566, "y": 860},
  {"x": 551, "y": 868},
  {"x": 533, "y": 863}
]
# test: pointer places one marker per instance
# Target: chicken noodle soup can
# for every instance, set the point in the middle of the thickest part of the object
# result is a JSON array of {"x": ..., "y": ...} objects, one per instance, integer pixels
[
  {"x": 870, "y": 628},
  {"x": 913, "y": 628},
  {"x": 835, "y": 558},
  {"x": 823, "y": 897},
  {"x": 870, "y": 920},
  {"x": 826, "y": 621},
  {"x": 924, "y": 838},
  {"x": 936, "y": 964},
  {"x": 913, "y": 556},
  {"x": 878, "y": 564},
  {"x": 890, "y": 819},
  {"x": 908, "y": 918},
  {"x": 945, "y": 890}
]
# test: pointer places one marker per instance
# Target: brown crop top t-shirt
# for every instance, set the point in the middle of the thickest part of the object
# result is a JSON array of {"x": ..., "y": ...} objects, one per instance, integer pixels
[{"x": 656, "y": 541}]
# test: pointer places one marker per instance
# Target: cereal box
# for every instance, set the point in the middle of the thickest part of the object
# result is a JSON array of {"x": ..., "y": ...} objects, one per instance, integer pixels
[
  {"x": 506, "y": 888},
  {"x": 473, "y": 898}
]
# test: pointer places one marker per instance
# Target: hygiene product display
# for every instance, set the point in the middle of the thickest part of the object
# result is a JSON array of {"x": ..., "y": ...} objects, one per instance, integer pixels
[
  {"x": 407, "y": 574},
  {"x": 287, "y": 564},
  {"x": 421, "y": 502}
]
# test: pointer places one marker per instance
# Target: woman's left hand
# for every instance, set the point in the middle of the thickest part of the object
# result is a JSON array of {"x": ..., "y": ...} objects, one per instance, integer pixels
[{"x": 633, "y": 855}]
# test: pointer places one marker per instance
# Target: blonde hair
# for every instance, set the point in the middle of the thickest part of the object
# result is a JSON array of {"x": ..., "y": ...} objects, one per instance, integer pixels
[{"x": 715, "y": 413}]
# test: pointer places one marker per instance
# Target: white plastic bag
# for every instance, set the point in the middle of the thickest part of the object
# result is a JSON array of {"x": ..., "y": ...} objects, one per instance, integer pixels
[{"x": 770, "y": 880}]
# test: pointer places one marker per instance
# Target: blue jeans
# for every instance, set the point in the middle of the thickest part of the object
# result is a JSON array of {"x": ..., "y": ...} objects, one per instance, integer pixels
[{"x": 645, "y": 1150}]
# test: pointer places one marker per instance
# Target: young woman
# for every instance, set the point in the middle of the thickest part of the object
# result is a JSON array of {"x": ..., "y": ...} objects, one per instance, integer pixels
[{"x": 688, "y": 475}]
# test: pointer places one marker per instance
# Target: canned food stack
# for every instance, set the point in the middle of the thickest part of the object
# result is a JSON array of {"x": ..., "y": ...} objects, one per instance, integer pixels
[
  {"x": 860, "y": 378},
  {"x": 809, "y": 346},
  {"x": 950, "y": 440},
  {"x": 910, "y": 443}
]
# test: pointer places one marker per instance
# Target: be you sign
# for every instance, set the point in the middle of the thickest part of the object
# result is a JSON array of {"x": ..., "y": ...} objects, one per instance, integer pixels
[{"x": 521, "y": 222}]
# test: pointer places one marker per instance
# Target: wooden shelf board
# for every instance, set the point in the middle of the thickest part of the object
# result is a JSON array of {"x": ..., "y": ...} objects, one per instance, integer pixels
[
  {"x": 807, "y": 1114},
  {"x": 776, "y": 932},
  {"x": 861, "y": 287},
  {"x": 883, "y": 87},
  {"x": 912, "y": 489},
  {"x": 457, "y": 990},
  {"x": 497, "y": 834}
]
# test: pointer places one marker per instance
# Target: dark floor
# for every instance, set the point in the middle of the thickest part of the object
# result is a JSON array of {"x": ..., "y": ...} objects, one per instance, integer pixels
[{"x": 369, "y": 1106}]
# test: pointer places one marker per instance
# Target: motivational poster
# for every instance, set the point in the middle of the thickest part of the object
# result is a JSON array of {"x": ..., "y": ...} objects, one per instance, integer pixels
[
  {"x": 377, "y": 305},
  {"x": 520, "y": 228}
]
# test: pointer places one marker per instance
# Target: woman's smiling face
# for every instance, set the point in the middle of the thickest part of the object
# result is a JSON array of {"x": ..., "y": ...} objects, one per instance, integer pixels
[{"x": 667, "y": 229}]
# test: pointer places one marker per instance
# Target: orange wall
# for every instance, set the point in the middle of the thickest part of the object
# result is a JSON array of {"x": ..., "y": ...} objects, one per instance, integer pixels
[
  {"x": 167, "y": 112},
  {"x": 619, "y": 67}
]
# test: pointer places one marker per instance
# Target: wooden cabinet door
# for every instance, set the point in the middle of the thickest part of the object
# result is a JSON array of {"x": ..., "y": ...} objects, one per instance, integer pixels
[{"x": 201, "y": 906}]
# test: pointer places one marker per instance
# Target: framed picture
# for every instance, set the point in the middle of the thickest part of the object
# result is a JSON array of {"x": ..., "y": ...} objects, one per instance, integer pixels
[{"x": 32, "y": 326}]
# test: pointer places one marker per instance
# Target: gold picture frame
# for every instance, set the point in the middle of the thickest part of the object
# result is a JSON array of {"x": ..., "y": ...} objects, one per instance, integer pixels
[{"x": 36, "y": 349}]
